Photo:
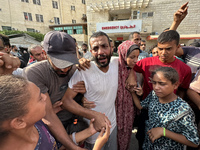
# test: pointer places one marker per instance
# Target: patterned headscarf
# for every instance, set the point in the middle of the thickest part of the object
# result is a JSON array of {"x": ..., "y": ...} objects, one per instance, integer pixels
[{"x": 124, "y": 103}]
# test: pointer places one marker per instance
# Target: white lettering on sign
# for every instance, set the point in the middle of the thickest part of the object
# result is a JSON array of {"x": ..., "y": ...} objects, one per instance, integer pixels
[
  {"x": 120, "y": 26},
  {"x": 117, "y": 27}
]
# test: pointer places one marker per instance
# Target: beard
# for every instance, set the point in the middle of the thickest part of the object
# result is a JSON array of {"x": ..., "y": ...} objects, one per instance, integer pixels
[
  {"x": 60, "y": 73},
  {"x": 100, "y": 57}
]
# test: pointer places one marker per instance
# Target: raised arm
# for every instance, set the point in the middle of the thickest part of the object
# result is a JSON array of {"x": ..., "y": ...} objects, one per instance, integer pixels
[
  {"x": 179, "y": 16},
  {"x": 72, "y": 106},
  {"x": 8, "y": 63}
]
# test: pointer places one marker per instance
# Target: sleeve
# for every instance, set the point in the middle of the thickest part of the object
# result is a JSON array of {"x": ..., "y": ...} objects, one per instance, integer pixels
[
  {"x": 77, "y": 76},
  {"x": 34, "y": 75},
  {"x": 138, "y": 67},
  {"x": 146, "y": 101},
  {"x": 189, "y": 129},
  {"x": 186, "y": 50},
  {"x": 187, "y": 79},
  {"x": 194, "y": 85}
]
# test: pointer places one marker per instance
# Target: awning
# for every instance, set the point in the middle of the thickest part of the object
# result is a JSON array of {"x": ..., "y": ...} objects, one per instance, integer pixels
[
  {"x": 182, "y": 36},
  {"x": 117, "y": 5}
]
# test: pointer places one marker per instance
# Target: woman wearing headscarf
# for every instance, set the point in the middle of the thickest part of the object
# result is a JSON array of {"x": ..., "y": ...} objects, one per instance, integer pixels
[{"x": 128, "y": 56}]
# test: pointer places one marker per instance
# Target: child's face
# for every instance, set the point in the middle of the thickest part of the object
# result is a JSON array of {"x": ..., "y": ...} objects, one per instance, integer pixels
[
  {"x": 36, "y": 105},
  {"x": 162, "y": 86},
  {"x": 132, "y": 59},
  {"x": 166, "y": 51}
]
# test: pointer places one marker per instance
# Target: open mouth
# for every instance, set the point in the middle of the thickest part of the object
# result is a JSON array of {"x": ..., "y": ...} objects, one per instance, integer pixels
[{"x": 102, "y": 59}]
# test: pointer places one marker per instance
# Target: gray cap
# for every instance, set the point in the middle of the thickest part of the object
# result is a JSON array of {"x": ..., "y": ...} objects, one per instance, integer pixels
[{"x": 61, "y": 49}]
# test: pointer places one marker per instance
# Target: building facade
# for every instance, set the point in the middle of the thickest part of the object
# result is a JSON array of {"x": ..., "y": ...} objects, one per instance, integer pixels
[
  {"x": 45, "y": 15},
  {"x": 81, "y": 18},
  {"x": 150, "y": 17}
]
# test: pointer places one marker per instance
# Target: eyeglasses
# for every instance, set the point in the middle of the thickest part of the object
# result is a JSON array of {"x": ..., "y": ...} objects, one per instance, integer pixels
[{"x": 143, "y": 44}]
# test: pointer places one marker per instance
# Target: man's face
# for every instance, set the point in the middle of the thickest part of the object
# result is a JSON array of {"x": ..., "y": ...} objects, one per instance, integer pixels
[
  {"x": 14, "y": 49},
  {"x": 2, "y": 47},
  {"x": 136, "y": 39},
  {"x": 60, "y": 72},
  {"x": 38, "y": 54},
  {"x": 84, "y": 48},
  {"x": 143, "y": 46},
  {"x": 101, "y": 51},
  {"x": 167, "y": 50}
]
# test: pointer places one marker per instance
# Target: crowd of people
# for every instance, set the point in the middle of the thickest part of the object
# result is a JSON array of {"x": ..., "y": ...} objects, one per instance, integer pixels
[{"x": 55, "y": 97}]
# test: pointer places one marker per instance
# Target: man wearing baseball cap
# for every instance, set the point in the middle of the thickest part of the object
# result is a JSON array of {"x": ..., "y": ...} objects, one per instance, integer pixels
[{"x": 52, "y": 76}]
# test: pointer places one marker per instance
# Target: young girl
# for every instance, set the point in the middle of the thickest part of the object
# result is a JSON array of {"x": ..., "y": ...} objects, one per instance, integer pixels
[
  {"x": 171, "y": 120},
  {"x": 22, "y": 106}
]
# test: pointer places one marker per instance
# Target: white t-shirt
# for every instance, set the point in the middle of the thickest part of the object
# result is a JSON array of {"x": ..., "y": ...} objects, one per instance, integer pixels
[{"x": 101, "y": 88}]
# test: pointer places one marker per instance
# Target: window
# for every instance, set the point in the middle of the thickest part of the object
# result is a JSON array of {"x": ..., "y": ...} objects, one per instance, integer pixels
[
  {"x": 73, "y": 21},
  {"x": 58, "y": 29},
  {"x": 55, "y": 4},
  {"x": 72, "y": 30},
  {"x": 37, "y": 2},
  {"x": 83, "y": 1},
  {"x": 30, "y": 30},
  {"x": 134, "y": 14},
  {"x": 56, "y": 20},
  {"x": 147, "y": 14},
  {"x": 25, "y": 1},
  {"x": 144, "y": 15},
  {"x": 84, "y": 15},
  {"x": 68, "y": 30},
  {"x": 39, "y": 18},
  {"x": 73, "y": 8},
  {"x": 27, "y": 16},
  {"x": 6, "y": 28},
  {"x": 150, "y": 14},
  {"x": 78, "y": 29}
]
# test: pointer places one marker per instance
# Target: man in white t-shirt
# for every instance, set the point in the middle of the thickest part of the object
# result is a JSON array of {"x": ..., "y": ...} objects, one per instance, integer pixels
[{"x": 101, "y": 82}]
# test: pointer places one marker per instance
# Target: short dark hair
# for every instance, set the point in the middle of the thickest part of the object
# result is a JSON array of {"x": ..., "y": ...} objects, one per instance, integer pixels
[
  {"x": 131, "y": 34},
  {"x": 143, "y": 41},
  {"x": 169, "y": 73},
  {"x": 84, "y": 44},
  {"x": 14, "y": 96},
  {"x": 169, "y": 36},
  {"x": 13, "y": 46},
  {"x": 98, "y": 34},
  {"x": 5, "y": 40}
]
